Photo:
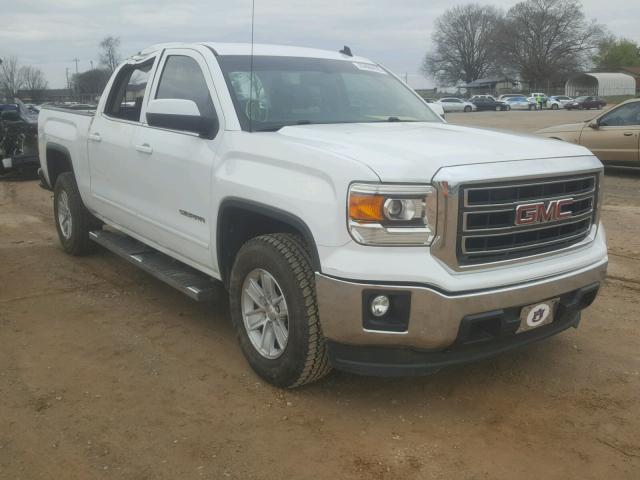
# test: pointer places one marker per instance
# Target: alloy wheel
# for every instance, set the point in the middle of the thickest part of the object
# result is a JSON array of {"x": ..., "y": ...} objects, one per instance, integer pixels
[{"x": 265, "y": 313}]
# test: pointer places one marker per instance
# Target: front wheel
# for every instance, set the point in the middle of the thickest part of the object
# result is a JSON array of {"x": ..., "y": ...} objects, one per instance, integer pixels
[
  {"x": 554, "y": 107},
  {"x": 73, "y": 220},
  {"x": 275, "y": 313},
  {"x": 467, "y": 109}
]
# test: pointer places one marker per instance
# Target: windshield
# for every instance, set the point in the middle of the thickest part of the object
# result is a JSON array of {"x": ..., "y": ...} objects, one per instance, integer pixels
[
  {"x": 300, "y": 91},
  {"x": 580, "y": 99}
]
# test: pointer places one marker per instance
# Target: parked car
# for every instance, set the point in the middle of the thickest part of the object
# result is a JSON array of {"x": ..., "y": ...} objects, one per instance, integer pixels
[
  {"x": 490, "y": 103},
  {"x": 563, "y": 99},
  {"x": 585, "y": 103},
  {"x": 18, "y": 138},
  {"x": 520, "y": 103},
  {"x": 452, "y": 104},
  {"x": 505, "y": 96},
  {"x": 435, "y": 106},
  {"x": 352, "y": 227},
  {"x": 613, "y": 136},
  {"x": 484, "y": 97}
]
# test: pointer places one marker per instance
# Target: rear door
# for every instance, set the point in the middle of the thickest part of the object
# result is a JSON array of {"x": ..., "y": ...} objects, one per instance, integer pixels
[
  {"x": 174, "y": 167},
  {"x": 618, "y": 135},
  {"x": 112, "y": 164}
]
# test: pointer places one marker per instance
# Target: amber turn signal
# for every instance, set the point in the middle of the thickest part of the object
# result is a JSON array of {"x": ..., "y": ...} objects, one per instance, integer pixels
[{"x": 366, "y": 208}]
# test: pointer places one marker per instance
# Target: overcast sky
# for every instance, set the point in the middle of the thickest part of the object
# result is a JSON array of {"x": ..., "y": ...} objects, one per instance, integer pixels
[{"x": 396, "y": 33}]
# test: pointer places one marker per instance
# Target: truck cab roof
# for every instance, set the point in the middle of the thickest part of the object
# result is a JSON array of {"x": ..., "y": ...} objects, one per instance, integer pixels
[{"x": 258, "y": 49}]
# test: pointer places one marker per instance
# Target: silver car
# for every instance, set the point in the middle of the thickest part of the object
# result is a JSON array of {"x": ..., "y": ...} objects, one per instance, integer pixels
[
  {"x": 452, "y": 104},
  {"x": 520, "y": 103}
]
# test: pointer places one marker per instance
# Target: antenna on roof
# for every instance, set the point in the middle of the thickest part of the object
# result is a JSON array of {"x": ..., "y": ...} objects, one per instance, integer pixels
[{"x": 346, "y": 51}]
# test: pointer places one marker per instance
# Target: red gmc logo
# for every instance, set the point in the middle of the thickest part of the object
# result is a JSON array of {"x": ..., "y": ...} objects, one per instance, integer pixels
[{"x": 531, "y": 213}]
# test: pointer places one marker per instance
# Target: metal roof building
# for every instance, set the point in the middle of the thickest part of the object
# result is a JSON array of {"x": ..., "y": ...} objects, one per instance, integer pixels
[{"x": 601, "y": 84}]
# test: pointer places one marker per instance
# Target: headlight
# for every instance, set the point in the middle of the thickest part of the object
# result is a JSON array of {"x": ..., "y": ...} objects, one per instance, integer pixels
[{"x": 392, "y": 214}]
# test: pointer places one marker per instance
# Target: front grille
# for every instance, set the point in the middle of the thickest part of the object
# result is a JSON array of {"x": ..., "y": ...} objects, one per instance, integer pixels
[{"x": 487, "y": 221}]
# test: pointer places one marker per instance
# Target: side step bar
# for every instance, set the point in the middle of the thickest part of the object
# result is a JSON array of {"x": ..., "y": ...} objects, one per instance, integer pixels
[{"x": 188, "y": 280}]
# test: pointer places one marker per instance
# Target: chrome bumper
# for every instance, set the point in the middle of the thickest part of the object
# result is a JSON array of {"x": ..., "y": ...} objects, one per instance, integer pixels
[{"x": 435, "y": 316}]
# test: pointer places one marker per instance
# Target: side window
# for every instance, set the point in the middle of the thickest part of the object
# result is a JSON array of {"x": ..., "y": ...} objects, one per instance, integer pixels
[
  {"x": 182, "y": 78},
  {"x": 626, "y": 115},
  {"x": 127, "y": 93}
]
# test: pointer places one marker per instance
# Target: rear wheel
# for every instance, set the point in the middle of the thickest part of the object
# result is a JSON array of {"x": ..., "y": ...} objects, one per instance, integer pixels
[
  {"x": 274, "y": 311},
  {"x": 554, "y": 107},
  {"x": 467, "y": 109},
  {"x": 73, "y": 220}
]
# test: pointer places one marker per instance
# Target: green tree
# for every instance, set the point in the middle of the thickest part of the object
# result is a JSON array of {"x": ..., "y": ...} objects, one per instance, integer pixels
[{"x": 614, "y": 53}]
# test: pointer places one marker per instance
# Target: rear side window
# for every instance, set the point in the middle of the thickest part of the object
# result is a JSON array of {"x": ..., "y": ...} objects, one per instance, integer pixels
[
  {"x": 127, "y": 93},
  {"x": 182, "y": 78}
]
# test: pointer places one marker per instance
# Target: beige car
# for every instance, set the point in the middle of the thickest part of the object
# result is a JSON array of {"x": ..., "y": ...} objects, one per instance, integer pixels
[{"x": 613, "y": 136}]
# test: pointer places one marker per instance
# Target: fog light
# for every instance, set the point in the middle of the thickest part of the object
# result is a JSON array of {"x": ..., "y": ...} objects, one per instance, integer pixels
[{"x": 380, "y": 305}]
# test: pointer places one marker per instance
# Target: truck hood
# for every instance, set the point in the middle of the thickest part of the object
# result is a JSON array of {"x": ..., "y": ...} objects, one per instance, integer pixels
[{"x": 414, "y": 152}]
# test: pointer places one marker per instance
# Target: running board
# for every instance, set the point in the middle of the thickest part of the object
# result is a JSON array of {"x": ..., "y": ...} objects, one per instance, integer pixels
[{"x": 188, "y": 280}]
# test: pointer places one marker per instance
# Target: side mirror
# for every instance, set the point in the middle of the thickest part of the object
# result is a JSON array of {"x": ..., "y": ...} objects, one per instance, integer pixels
[
  {"x": 180, "y": 114},
  {"x": 595, "y": 124}
]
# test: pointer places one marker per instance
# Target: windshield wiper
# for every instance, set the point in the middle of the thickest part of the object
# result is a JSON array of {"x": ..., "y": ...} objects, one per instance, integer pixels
[{"x": 398, "y": 119}]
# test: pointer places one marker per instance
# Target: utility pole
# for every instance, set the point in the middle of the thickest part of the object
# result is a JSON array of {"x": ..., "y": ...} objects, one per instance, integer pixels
[
  {"x": 91, "y": 62},
  {"x": 67, "y": 72},
  {"x": 76, "y": 60}
]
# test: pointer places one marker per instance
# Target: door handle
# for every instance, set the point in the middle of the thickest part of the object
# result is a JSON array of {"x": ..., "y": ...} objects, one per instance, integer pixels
[
  {"x": 627, "y": 134},
  {"x": 144, "y": 148},
  {"x": 95, "y": 137}
]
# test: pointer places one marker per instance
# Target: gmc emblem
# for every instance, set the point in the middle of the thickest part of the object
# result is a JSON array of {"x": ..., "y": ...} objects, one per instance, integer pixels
[{"x": 530, "y": 213}]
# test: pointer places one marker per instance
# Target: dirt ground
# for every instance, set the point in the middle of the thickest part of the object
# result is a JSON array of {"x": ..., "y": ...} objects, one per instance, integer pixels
[{"x": 107, "y": 373}]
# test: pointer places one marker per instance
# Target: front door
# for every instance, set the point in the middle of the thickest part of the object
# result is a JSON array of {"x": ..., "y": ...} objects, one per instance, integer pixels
[
  {"x": 175, "y": 168},
  {"x": 618, "y": 135}
]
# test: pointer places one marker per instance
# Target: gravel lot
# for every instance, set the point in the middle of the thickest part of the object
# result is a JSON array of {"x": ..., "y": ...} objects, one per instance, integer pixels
[{"x": 107, "y": 373}]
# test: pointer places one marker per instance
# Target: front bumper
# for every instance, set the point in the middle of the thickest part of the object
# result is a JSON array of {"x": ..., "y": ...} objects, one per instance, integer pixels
[{"x": 437, "y": 320}]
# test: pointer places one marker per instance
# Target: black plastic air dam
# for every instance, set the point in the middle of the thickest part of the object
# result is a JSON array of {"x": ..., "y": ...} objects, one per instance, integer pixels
[{"x": 390, "y": 361}]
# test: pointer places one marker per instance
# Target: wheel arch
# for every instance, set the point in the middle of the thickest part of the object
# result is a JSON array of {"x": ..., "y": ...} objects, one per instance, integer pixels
[
  {"x": 239, "y": 220},
  {"x": 58, "y": 160}
]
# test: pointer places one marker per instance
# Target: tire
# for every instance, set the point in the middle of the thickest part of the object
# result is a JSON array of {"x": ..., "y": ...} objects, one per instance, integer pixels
[
  {"x": 554, "y": 107},
  {"x": 74, "y": 233},
  {"x": 303, "y": 357},
  {"x": 467, "y": 109}
]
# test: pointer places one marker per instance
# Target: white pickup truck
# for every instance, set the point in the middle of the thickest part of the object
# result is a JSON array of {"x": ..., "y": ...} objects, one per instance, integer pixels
[{"x": 351, "y": 225}]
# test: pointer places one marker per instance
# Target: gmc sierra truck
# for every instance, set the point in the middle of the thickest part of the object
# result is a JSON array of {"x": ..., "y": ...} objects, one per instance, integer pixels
[{"x": 352, "y": 227}]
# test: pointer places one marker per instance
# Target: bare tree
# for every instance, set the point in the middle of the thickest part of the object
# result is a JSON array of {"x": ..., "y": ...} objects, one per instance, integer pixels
[
  {"x": 110, "y": 53},
  {"x": 11, "y": 76},
  {"x": 92, "y": 81},
  {"x": 34, "y": 82},
  {"x": 464, "y": 44},
  {"x": 545, "y": 40}
]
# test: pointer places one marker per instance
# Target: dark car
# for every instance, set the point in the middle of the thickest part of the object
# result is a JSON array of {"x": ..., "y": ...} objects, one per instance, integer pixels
[
  {"x": 490, "y": 104},
  {"x": 585, "y": 103},
  {"x": 18, "y": 138}
]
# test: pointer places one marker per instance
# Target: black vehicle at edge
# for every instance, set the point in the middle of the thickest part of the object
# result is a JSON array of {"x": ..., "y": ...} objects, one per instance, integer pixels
[
  {"x": 18, "y": 137},
  {"x": 490, "y": 104}
]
